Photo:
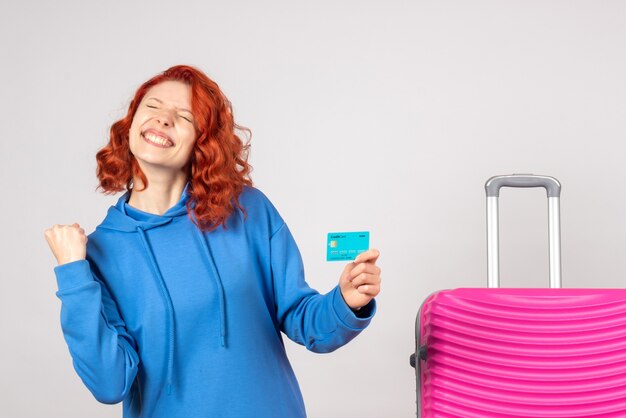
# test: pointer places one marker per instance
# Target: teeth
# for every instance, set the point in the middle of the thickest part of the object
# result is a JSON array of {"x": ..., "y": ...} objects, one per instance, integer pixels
[{"x": 156, "y": 139}]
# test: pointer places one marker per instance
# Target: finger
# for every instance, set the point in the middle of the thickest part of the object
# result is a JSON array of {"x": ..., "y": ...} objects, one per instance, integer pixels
[
  {"x": 369, "y": 290},
  {"x": 50, "y": 234},
  {"x": 48, "y": 240},
  {"x": 345, "y": 275},
  {"x": 370, "y": 255},
  {"x": 365, "y": 268},
  {"x": 365, "y": 278}
]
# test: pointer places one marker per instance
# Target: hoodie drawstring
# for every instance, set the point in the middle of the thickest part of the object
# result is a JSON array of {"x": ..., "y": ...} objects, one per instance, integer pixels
[
  {"x": 169, "y": 307},
  {"x": 220, "y": 287}
]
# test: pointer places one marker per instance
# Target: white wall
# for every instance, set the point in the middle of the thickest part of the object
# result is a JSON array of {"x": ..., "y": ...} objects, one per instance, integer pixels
[{"x": 383, "y": 115}]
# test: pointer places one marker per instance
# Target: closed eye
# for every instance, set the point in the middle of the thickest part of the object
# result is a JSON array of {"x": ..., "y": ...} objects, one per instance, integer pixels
[{"x": 187, "y": 118}]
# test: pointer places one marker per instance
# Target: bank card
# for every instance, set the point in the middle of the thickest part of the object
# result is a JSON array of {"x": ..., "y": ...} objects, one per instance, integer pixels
[{"x": 342, "y": 246}]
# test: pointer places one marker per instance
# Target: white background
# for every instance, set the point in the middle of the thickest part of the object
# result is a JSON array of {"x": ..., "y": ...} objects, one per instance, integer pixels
[{"x": 386, "y": 116}]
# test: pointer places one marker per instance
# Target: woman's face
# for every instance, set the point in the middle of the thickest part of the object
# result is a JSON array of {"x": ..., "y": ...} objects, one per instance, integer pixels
[{"x": 162, "y": 134}]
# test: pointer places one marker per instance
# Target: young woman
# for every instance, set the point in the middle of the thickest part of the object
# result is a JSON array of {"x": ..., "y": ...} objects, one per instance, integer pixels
[{"x": 175, "y": 304}]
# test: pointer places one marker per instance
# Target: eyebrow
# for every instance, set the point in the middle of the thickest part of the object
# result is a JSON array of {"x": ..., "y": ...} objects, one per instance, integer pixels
[{"x": 161, "y": 101}]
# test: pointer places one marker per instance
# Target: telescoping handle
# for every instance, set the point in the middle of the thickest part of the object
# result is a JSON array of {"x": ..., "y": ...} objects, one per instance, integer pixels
[{"x": 553, "y": 190}]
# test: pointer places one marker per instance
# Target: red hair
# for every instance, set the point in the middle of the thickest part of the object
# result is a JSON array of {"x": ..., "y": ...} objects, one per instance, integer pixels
[{"x": 218, "y": 168}]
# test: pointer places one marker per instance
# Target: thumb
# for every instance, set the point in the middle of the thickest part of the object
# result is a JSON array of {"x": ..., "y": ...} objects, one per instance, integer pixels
[{"x": 345, "y": 275}]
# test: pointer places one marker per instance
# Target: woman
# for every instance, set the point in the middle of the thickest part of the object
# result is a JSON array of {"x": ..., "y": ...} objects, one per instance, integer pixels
[{"x": 176, "y": 302}]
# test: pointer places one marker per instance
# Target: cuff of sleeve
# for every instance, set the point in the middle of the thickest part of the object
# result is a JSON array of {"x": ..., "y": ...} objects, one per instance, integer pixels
[
  {"x": 73, "y": 274},
  {"x": 355, "y": 320}
]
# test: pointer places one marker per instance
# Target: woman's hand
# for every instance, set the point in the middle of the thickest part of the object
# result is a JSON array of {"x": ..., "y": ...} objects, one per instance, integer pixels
[
  {"x": 360, "y": 280},
  {"x": 67, "y": 242}
]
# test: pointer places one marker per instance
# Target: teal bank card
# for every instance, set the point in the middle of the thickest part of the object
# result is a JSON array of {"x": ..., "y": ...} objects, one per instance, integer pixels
[{"x": 342, "y": 246}]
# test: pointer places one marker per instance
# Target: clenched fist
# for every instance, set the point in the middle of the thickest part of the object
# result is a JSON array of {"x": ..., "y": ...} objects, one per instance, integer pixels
[{"x": 67, "y": 242}]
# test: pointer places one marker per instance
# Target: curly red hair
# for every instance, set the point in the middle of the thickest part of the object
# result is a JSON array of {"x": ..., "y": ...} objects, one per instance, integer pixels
[{"x": 218, "y": 168}]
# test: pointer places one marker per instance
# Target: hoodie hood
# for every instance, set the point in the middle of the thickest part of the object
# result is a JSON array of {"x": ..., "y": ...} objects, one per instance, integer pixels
[{"x": 124, "y": 218}]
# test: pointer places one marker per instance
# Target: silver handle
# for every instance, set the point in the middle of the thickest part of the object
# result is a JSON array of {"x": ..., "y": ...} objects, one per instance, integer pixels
[
  {"x": 553, "y": 190},
  {"x": 552, "y": 185}
]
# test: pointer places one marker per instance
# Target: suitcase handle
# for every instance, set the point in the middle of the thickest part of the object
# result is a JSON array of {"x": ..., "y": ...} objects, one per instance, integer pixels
[
  {"x": 553, "y": 190},
  {"x": 494, "y": 184}
]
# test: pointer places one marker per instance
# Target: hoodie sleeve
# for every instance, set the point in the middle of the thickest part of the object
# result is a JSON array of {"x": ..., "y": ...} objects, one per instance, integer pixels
[
  {"x": 103, "y": 353},
  {"x": 322, "y": 323}
]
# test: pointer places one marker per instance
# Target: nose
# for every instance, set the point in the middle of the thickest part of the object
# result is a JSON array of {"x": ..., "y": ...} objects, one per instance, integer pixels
[{"x": 165, "y": 118}]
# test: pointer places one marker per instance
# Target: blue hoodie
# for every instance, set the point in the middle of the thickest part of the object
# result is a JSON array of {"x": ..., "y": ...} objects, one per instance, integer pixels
[{"x": 177, "y": 322}]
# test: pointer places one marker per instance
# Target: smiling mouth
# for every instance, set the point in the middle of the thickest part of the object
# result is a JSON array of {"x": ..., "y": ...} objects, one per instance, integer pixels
[{"x": 157, "y": 140}]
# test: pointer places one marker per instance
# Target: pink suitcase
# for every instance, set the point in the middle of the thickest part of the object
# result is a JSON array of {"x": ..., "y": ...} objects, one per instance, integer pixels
[{"x": 492, "y": 352}]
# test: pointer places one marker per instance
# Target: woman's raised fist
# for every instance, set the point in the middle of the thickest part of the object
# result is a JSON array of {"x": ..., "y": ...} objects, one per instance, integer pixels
[{"x": 67, "y": 242}]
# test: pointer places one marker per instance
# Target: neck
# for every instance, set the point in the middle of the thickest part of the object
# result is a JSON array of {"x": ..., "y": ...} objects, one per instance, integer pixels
[{"x": 162, "y": 193}]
